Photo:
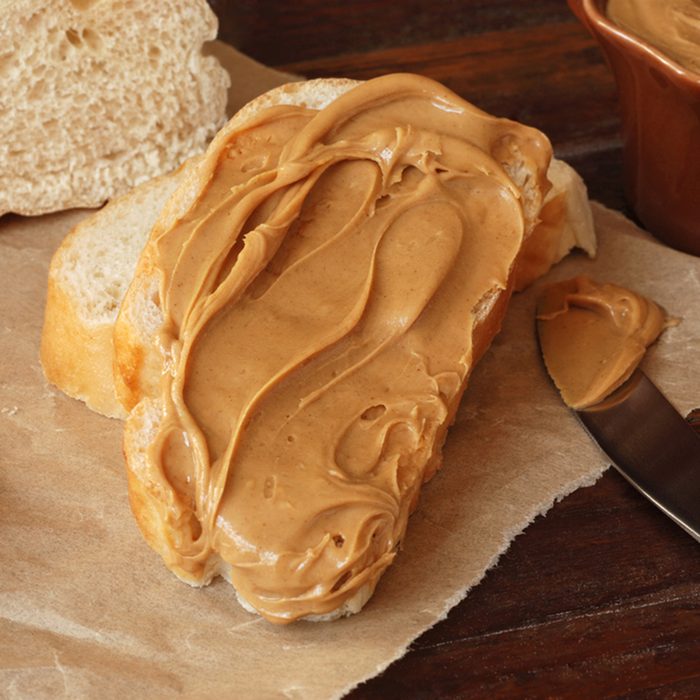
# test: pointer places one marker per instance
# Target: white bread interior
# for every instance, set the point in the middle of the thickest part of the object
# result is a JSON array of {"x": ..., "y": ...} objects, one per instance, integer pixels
[{"x": 100, "y": 95}]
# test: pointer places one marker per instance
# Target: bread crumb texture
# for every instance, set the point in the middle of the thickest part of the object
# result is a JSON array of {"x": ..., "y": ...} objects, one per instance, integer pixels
[
  {"x": 96, "y": 262},
  {"x": 100, "y": 95}
]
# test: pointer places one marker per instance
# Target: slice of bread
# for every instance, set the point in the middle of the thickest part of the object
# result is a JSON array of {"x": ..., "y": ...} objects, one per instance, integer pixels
[
  {"x": 100, "y": 96},
  {"x": 140, "y": 362}
]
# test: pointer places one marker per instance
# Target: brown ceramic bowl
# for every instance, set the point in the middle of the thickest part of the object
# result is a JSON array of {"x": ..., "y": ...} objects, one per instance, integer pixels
[{"x": 660, "y": 109}]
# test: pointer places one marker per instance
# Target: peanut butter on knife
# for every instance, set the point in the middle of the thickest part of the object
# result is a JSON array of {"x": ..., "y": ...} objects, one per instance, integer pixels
[{"x": 593, "y": 336}]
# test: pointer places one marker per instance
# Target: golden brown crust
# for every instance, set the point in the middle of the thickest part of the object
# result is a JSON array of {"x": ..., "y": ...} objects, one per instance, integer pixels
[
  {"x": 137, "y": 361},
  {"x": 146, "y": 503},
  {"x": 84, "y": 375}
]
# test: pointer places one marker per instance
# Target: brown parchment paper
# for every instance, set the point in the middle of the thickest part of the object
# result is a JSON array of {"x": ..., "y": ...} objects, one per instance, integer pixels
[{"x": 87, "y": 610}]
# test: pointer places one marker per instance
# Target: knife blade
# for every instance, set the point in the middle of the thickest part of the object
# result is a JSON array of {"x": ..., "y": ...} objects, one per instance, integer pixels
[{"x": 652, "y": 446}]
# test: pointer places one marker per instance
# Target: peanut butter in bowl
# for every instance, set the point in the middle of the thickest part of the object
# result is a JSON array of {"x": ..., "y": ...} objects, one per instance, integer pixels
[
  {"x": 653, "y": 49},
  {"x": 672, "y": 26}
]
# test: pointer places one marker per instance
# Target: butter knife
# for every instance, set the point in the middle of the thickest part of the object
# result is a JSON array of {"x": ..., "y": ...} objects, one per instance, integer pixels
[{"x": 652, "y": 446}]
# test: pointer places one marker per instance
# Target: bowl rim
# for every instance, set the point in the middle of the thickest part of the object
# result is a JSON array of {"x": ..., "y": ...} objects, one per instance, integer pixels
[{"x": 598, "y": 22}]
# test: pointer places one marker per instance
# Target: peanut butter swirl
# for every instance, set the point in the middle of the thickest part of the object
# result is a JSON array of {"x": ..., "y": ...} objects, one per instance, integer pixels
[
  {"x": 593, "y": 336},
  {"x": 320, "y": 299},
  {"x": 672, "y": 26}
]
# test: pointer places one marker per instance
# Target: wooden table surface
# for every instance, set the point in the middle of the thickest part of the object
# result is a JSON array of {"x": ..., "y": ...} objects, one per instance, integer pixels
[{"x": 602, "y": 597}]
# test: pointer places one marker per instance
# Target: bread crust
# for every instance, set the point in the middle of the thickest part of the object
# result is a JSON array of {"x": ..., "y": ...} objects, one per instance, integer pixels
[{"x": 84, "y": 375}]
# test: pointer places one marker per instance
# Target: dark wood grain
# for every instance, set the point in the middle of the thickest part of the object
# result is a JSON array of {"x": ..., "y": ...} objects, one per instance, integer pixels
[
  {"x": 600, "y": 599},
  {"x": 279, "y": 32}
]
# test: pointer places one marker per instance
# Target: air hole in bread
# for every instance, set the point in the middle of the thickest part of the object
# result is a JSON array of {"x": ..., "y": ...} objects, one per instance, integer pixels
[
  {"x": 374, "y": 412},
  {"x": 91, "y": 38},
  {"x": 33, "y": 22},
  {"x": 5, "y": 63},
  {"x": 195, "y": 527},
  {"x": 114, "y": 155},
  {"x": 338, "y": 540},
  {"x": 74, "y": 38},
  {"x": 291, "y": 438},
  {"x": 341, "y": 581},
  {"x": 36, "y": 90},
  {"x": 60, "y": 53},
  {"x": 154, "y": 56}
]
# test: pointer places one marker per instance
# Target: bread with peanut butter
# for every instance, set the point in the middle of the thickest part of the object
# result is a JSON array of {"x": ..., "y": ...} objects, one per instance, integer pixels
[
  {"x": 100, "y": 96},
  {"x": 301, "y": 327},
  {"x": 94, "y": 265}
]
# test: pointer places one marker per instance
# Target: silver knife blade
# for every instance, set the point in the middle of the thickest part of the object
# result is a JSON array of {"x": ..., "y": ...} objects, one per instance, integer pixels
[{"x": 652, "y": 446}]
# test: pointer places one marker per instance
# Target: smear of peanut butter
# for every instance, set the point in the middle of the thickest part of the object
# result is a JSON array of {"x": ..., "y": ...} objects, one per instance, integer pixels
[
  {"x": 673, "y": 26},
  {"x": 593, "y": 336},
  {"x": 320, "y": 300}
]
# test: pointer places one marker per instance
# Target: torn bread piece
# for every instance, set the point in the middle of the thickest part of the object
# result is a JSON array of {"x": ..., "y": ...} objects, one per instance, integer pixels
[
  {"x": 326, "y": 279},
  {"x": 100, "y": 96}
]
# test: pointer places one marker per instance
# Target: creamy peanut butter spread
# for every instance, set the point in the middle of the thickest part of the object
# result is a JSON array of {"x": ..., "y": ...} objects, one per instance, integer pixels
[
  {"x": 320, "y": 300},
  {"x": 673, "y": 26},
  {"x": 593, "y": 336}
]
